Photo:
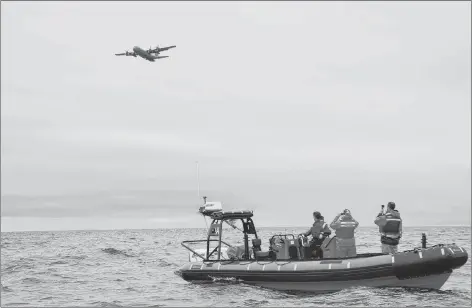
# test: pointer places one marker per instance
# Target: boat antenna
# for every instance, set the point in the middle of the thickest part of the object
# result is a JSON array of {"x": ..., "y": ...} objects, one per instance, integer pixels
[
  {"x": 198, "y": 191},
  {"x": 198, "y": 180}
]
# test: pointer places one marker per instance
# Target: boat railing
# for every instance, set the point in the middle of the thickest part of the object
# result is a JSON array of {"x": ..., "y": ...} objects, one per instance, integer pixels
[{"x": 203, "y": 241}]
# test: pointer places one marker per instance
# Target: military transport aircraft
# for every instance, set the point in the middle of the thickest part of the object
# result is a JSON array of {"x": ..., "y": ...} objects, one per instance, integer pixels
[{"x": 150, "y": 54}]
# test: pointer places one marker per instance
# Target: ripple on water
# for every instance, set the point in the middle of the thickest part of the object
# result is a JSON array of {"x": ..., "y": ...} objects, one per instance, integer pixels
[
  {"x": 255, "y": 303},
  {"x": 104, "y": 304},
  {"x": 59, "y": 263},
  {"x": 31, "y": 280},
  {"x": 6, "y": 288},
  {"x": 80, "y": 257},
  {"x": 116, "y": 252}
]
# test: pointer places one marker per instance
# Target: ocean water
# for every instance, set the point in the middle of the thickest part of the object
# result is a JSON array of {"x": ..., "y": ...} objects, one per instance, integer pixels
[{"x": 136, "y": 268}]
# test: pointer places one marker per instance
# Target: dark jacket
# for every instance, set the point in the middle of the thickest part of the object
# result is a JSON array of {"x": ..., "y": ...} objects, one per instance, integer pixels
[
  {"x": 390, "y": 224},
  {"x": 344, "y": 226},
  {"x": 319, "y": 227}
]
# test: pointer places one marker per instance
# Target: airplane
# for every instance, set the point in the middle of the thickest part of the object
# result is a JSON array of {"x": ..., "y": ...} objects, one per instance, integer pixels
[{"x": 146, "y": 54}]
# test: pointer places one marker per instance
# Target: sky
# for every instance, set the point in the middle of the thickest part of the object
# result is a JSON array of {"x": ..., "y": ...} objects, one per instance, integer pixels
[{"x": 288, "y": 107}]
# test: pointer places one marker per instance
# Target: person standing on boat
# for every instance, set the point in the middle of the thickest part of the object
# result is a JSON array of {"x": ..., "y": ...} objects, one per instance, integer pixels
[
  {"x": 390, "y": 228},
  {"x": 344, "y": 225},
  {"x": 319, "y": 231}
]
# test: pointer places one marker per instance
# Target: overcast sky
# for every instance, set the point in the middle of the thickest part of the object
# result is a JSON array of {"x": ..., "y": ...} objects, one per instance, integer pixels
[{"x": 290, "y": 107}]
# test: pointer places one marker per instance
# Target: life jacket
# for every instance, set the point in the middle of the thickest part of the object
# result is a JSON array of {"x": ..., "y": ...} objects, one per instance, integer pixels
[
  {"x": 393, "y": 225},
  {"x": 319, "y": 226},
  {"x": 344, "y": 227}
]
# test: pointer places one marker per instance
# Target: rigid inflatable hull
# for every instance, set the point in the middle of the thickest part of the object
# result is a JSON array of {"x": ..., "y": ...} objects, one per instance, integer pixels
[
  {"x": 428, "y": 282},
  {"x": 423, "y": 268}
]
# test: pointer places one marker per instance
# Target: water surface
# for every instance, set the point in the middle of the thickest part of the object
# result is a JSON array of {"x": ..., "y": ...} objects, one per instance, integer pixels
[{"x": 136, "y": 268}]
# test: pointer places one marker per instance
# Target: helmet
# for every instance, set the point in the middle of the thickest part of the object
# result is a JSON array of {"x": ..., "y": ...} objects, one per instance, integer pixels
[{"x": 391, "y": 205}]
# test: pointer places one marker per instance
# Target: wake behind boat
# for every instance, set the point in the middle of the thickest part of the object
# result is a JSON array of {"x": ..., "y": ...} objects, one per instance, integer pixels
[{"x": 288, "y": 264}]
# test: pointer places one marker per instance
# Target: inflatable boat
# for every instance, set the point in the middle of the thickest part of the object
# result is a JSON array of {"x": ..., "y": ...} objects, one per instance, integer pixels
[{"x": 288, "y": 265}]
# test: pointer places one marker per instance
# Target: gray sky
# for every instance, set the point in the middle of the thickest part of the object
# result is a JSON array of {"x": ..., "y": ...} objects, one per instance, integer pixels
[{"x": 289, "y": 108}]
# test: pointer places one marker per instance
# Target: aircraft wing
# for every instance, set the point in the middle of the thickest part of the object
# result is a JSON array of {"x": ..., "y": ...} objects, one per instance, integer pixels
[
  {"x": 166, "y": 48},
  {"x": 125, "y": 54}
]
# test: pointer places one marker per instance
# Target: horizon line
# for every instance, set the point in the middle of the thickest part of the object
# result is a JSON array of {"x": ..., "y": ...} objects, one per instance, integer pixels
[{"x": 204, "y": 228}]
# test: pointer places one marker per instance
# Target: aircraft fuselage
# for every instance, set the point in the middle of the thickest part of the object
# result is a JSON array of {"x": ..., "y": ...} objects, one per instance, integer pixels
[{"x": 144, "y": 54}]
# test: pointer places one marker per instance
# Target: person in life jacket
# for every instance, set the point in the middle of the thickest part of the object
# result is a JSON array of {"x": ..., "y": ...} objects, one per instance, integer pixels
[
  {"x": 390, "y": 228},
  {"x": 319, "y": 231},
  {"x": 344, "y": 225}
]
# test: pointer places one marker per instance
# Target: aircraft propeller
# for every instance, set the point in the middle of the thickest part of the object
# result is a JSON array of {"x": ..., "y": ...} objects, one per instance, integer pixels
[{"x": 155, "y": 50}]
